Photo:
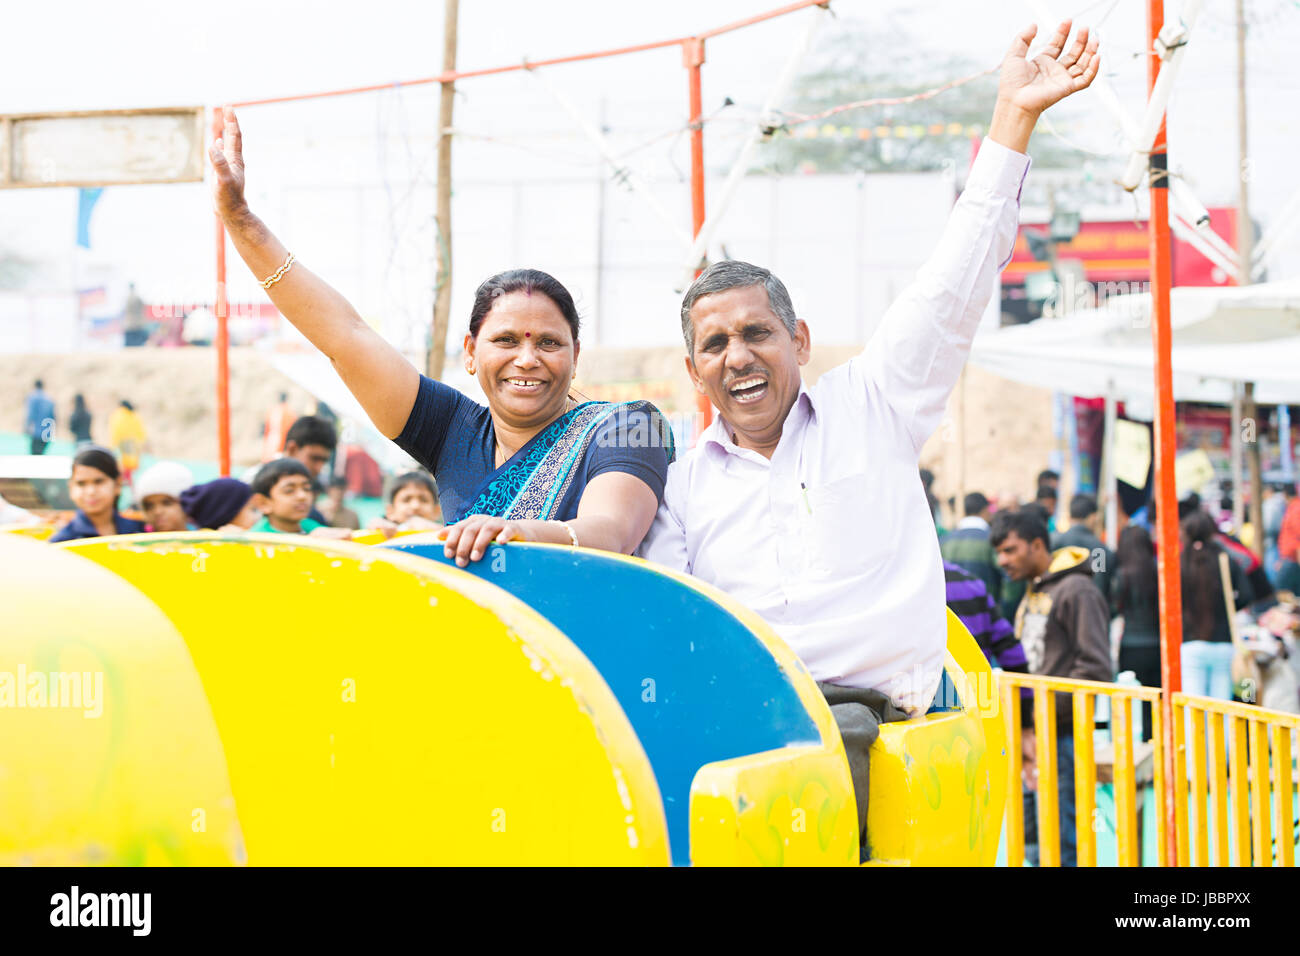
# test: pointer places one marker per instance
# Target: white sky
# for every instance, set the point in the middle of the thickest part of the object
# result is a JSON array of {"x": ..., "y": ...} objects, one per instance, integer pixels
[{"x": 140, "y": 53}]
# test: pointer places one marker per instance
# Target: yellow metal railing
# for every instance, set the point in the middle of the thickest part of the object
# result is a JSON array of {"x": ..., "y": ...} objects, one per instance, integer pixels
[
  {"x": 1126, "y": 761},
  {"x": 1248, "y": 814},
  {"x": 1234, "y": 776}
]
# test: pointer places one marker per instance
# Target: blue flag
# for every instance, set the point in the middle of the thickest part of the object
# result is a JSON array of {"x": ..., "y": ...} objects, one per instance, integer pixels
[{"x": 86, "y": 200}]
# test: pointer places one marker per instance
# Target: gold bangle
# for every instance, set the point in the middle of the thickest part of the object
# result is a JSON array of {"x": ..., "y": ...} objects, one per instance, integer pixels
[
  {"x": 278, "y": 274},
  {"x": 572, "y": 534}
]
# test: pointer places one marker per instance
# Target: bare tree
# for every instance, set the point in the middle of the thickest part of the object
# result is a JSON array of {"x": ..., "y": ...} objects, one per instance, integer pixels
[{"x": 858, "y": 63}]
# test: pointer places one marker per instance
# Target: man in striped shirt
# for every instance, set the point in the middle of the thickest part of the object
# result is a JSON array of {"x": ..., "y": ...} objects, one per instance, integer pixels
[{"x": 970, "y": 600}]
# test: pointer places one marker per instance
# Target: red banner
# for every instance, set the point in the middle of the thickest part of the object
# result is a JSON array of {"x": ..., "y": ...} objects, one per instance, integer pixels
[{"x": 1117, "y": 252}]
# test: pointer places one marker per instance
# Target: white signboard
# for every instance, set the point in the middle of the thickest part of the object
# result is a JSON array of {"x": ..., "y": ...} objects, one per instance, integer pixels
[
  {"x": 109, "y": 148},
  {"x": 1132, "y": 449}
]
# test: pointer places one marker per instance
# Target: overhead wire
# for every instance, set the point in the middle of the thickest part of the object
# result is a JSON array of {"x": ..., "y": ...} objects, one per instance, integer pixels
[{"x": 798, "y": 119}]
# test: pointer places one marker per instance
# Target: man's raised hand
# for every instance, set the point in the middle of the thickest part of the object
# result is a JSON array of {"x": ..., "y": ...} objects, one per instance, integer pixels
[
  {"x": 227, "y": 156},
  {"x": 1035, "y": 84}
]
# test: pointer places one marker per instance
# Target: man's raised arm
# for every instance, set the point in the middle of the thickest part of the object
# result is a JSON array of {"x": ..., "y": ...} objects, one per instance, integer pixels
[{"x": 923, "y": 341}]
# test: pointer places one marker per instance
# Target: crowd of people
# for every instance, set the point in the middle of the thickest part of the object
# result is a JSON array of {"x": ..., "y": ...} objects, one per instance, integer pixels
[
  {"x": 1061, "y": 603},
  {"x": 165, "y": 497},
  {"x": 279, "y": 496},
  {"x": 127, "y": 437}
]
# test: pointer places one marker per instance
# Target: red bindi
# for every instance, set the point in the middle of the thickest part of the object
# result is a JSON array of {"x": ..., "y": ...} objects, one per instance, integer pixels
[{"x": 528, "y": 335}]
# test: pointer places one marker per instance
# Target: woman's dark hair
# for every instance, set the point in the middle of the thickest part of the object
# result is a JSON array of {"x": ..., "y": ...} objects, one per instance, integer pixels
[
  {"x": 99, "y": 458},
  {"x": 1202, "y": 586},
  {"x": 522, "y": 280},
  {"x": 1189, "y": 505},
  {"x": 413, "y": 478},
  {"x": 127, "y": 405},
  {"x": 1136, "y": 556}
]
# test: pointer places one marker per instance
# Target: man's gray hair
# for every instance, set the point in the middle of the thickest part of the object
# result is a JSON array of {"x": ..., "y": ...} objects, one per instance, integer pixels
[{"x": 733, "y": 274}]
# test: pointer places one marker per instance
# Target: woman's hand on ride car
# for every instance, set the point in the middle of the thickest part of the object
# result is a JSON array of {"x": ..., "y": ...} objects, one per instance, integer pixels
[
  {"x": 227, "y": 156},
  {"x": 468, "y": 540}
]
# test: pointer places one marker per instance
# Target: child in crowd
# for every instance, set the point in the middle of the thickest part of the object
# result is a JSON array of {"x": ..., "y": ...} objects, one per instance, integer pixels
[
  {"x": 414, "y": 496},
  {"x": 158, "y": 492},
  {"x": 338, "y": 514},
  {"x": 95, "y": 485},
  {"x": 223, "y": 504},
  {"x": 283, "y": 491},
  {"x": 412, "y": 505}
]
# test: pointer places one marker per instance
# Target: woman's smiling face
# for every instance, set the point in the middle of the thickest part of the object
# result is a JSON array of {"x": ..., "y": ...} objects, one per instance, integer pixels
[{"x": 524, "y": 356}]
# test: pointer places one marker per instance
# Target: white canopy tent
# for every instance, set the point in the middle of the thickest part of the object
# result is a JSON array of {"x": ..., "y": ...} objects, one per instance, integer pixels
[
  {"x": 1221, "y": 336},
  {"x": 1222, "y": 339}
]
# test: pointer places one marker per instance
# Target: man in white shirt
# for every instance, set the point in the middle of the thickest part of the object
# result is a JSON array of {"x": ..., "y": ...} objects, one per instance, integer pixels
[{"x": 805, "y": 504}]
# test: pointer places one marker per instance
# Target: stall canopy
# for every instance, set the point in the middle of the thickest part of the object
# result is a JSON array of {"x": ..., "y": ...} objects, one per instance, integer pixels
[{"x": 1220, "y": 336}]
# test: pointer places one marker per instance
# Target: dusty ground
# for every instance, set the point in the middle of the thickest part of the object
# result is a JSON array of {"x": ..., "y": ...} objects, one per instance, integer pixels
[
  {"x": 1005, "y": 438},
  {"x": 173, "y": 390}
]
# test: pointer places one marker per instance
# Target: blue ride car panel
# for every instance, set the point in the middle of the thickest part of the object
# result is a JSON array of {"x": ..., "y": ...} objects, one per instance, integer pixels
[
  {"x": 695, "y": 683},
  {"x": 946, "y": 698}
]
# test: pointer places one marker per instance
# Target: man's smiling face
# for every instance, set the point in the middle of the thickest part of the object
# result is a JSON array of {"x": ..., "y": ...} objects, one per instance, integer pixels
[{"x": 747, "y": 363}]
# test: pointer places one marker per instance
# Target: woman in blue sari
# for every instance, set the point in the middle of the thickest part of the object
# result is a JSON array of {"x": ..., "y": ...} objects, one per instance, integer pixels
[{"x": 535, "y": 464}]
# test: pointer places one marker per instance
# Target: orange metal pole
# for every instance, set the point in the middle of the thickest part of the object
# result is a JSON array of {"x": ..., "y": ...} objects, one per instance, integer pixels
[
  {"x": 223, "y": 337},
  {"x": 1166, "y": 497},
  {"x": 693, "y": 59}
]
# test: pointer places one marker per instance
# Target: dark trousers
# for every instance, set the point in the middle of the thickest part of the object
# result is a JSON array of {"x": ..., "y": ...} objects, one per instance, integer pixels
[
  {"x": 38, "y": 445},
  {"x": 858, "y": 714},
  {"x": 1144, "y": 661},
  {"x": 1064, "y": 806}
]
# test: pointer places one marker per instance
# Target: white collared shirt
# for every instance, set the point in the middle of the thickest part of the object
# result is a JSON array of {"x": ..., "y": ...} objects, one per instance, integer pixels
[
  {"x": 831, "y": 541},
  {"x": 972, "y": 521}
]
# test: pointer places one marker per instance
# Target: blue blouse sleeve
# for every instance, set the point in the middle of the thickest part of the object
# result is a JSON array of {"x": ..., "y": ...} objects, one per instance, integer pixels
[
  {"x": 436, "y": 410},
  {"x": 636, "y": 440}
]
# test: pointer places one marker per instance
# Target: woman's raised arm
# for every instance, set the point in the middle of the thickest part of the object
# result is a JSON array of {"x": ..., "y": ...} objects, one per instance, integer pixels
[{"x": 383, "y": 381}]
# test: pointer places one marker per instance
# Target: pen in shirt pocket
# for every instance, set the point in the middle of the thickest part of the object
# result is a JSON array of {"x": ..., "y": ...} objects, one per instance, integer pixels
[{"x": 805, "y": 497}]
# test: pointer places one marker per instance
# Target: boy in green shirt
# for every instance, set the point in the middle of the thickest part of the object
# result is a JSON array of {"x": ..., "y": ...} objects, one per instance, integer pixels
[{"x": 283, "y": 491}]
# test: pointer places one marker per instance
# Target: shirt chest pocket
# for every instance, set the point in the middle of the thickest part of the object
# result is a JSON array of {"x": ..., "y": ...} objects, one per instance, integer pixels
[{"x": 836, "y": 525}]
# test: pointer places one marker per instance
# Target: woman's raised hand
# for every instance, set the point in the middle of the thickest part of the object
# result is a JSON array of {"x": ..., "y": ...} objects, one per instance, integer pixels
[{"x": 227, "y": 156}]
